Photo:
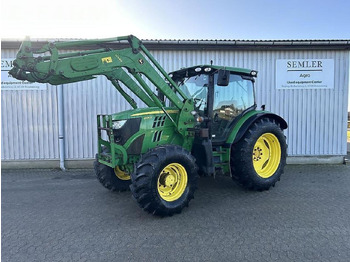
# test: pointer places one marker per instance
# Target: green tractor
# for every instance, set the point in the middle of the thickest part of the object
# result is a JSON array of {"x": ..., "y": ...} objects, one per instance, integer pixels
[{"x": 200, "y": 121}]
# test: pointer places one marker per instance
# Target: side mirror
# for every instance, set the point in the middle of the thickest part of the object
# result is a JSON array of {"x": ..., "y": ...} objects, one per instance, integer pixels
[{"x": 223, "y": 78}]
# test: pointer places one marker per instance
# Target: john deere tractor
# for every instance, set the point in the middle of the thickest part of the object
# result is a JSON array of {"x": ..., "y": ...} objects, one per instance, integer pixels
[{"x": 197, "y": 121}]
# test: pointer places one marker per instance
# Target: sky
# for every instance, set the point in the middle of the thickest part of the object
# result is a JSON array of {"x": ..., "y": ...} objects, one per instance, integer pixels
[{"x": 176, "y": 19}]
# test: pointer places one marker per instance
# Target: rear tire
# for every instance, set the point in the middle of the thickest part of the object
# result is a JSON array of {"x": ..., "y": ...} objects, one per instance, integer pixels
[
  {"x": 164, "y": 180},
  {"x": 258, "y": 159}
]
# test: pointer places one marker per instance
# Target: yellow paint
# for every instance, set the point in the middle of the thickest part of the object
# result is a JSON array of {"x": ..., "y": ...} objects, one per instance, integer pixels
[
  {"x": 122, "y": 175},
  {"x": 172, "y": 182},
  {"x": 117, "y": 56},
  {"x": 156, "y": 112},
  {"x": 107, "y": 60},
  {"x": 266, "y": 155}
]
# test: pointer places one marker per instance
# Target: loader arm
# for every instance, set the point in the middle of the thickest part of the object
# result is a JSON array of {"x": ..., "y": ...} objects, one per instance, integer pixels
[{"x": 49, "y": 64}]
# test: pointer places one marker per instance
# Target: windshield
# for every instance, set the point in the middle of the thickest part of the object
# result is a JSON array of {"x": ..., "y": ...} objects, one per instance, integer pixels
[{"x": 196, "y": 87}]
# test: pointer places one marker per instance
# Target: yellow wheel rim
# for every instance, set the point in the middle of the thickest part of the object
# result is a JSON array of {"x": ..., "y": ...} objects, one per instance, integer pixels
[
  {"x": 266, "y": 155},
  {"x": 172, "y": 182},
  {"x": 122, "y": 175}
]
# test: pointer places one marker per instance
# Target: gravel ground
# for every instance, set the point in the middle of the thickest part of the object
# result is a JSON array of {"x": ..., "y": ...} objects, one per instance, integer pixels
[{"x": 50, "y": 215}]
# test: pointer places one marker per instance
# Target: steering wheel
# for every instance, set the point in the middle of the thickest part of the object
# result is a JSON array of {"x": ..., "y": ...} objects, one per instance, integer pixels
[
  {"x": 198, "y": 102},
  {"x": 216, "y": 117}
]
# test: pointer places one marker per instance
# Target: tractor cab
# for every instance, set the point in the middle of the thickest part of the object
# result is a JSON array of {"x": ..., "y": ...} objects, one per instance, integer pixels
[{"x": 221, "y": 95}]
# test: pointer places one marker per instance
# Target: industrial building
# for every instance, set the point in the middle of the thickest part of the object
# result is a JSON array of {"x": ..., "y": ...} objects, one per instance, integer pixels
[{"x": 306, "y": 82}]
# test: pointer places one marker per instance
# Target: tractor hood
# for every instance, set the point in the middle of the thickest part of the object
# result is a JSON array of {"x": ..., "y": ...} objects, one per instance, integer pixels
[{"x": 143, "y": 112}]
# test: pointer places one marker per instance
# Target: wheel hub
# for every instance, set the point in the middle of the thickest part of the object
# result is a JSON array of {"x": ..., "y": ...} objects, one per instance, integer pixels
[
  {"x": 257, "y": 153},
  {"x": 172, "y": 182},
  {"x": 266, "y": 155},
  {"x": 122, "y": 175}
]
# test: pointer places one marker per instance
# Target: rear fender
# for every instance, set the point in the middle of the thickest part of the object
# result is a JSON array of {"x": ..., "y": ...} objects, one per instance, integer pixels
[{"x": 242, "y": 126}]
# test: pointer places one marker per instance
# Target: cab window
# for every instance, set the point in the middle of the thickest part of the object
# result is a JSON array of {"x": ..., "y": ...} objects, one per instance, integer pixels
[{"x": 229, "y": 102}]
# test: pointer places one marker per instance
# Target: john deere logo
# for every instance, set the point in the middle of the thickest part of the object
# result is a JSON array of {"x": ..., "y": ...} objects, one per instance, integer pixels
[
  {"x": 107, "y": 60},
  {"x": 141, "y": 61}
]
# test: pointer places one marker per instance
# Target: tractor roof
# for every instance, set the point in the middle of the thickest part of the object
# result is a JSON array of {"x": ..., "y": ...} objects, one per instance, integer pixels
[{"x": 207, "y": 69}]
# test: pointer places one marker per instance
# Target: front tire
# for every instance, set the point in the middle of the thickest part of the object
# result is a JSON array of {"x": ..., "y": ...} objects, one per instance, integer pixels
[
  {"x": 164, "y": 180},
  {"x": 113, "y": 179},
  {"x": 258, "y": 159}
]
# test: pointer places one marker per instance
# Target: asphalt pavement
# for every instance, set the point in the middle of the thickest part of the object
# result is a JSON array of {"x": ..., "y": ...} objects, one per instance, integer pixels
[{"x": 50, "y": 215}]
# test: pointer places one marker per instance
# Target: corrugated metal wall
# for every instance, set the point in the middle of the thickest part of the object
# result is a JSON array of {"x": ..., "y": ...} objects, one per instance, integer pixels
[
  {"x": 29, "y": 124},
  {"x": 316, "y": 118}
]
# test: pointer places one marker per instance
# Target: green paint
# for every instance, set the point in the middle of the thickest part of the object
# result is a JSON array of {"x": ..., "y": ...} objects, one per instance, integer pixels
[{"x": 239, "y": 124}]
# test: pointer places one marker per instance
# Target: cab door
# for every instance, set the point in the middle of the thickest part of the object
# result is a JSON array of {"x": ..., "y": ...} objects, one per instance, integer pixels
[{"x": 229, "y": 102}]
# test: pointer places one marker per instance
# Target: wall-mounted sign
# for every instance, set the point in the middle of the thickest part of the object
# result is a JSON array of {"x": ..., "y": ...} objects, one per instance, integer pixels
[
  {"x": 10, "y": 83},
  {"x": 304, "y": 73}
]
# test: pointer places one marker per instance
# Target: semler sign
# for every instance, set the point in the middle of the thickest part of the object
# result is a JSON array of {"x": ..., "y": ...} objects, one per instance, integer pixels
[
  {"x": 304, "y": 73},
  {"x": 10, "y": 83}
]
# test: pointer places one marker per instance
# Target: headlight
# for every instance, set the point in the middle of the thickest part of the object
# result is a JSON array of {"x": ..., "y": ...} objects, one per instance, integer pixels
[{"x": 118, "y": 124}]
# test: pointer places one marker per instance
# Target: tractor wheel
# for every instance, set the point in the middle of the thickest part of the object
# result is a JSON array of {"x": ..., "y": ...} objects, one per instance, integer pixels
[
  {"x": 258, "y": 159},
  {"x": 164, "y": 180},
  {"x": 112, "y": 179}
]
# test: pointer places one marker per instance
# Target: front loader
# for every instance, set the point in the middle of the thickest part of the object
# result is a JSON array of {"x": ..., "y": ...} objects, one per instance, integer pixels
[{"x": 200, "y": 121}]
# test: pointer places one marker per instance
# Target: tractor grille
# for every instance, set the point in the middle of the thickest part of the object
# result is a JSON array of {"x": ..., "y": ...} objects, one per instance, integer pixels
[
  {"x": 136, "y": 146},
  {"x": 122, "y": 135}
]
